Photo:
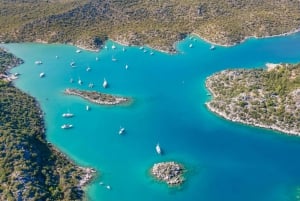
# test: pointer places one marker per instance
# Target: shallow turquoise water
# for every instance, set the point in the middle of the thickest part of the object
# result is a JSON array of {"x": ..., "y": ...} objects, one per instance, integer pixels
[{"x": 226, "y": 161}]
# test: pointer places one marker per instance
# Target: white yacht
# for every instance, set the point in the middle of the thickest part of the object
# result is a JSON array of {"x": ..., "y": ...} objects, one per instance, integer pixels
[
  {"x": 105, "y": 83},
  {"x": 78, "y": 51},
  {"x": 108, "y": 187},
  {"x": 113, "y": 59},
  {"x": 121, "y": 131},
  {"x": 38, "y": 62},
  {"x": 91, "y": 85},
  {"x": 72, "y": 64},
  {"x": 42, "y": 74},
  {"x": 87, "y": 108},
  {"x": 158, "y": 149},
  {"x": 191, "y": 45},
  {"x": 67, "y": 115},
  {"x": 66, "y": 126},
  {"x": 113, "y": 47},
  {"x": 212, "y": 47}
]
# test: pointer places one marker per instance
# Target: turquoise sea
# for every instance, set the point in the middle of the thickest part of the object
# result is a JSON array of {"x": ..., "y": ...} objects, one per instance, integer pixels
[{"x": 225, "y": 161}]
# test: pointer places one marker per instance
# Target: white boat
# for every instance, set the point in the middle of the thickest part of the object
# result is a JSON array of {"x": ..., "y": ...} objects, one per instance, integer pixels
[
  {"x": 145, "y": 51},
  {"x": 158, "y": 149},
  {"x": 87, "y": 108},
  {"x": 91, "y": 85},
  {"x": 88, "y": 69},
  {"x": 71, "y": 80},
  {"x": 72, "y": 64},
  {"x": 78, "y": 51},
  {"x": 212, "y": 47},
  {"x": 121, "y": 131},
  {"x": 56, "y": 57},
  {"x": 66, "y": 126},
  {"x": 113, "y": 47},
  {"x": 38, "y": 62},
  {"x": 191, "y": 45},
  {"x": 113, "y": 59},
  {"x": 80, "y": 81},
  {"x": 126, "y": 66},
  {"x": 108, "y": 187},
  {"x": 141, "y": 48},
  {"x": 105, "y": 83},
  {"x": 97, "y": 58},
  {"x": 124, "y": 49},
  {"x": 151, "y": 53},
  {"x": 42, "y": 74},
  {"x": 67, "y": 115}
]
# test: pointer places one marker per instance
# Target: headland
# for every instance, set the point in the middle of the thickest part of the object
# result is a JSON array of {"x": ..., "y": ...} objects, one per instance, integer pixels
[{"x": 267, "y": 98}]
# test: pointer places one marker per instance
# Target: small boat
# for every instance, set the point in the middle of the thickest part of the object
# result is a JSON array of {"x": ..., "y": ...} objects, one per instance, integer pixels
[
  {"x": 71, "y": 80},
  {"x": 78, "y": 51},
  {"x": 113, "y": 59},
  {"x": 16, "y": 74},
  {"x": 123, "y": 49},
  {"x": 126, "y": 66},
  {"x": 212, "y": 47},
  {"x": 72, "y": 64},
  {"x": 113, "y": 47},
  {"x": 191, "y": 45},
  {"x": 42, "y": 74},
  {"x": 56, "y": 57},
  {"x": 67, "y": 115},
  {"x": 141, "y": 48},
  {"x": 158, "y": 149},
  {"x": 121, "y": 131},
  {"x": 38, "y": 62},
  {"x": 91, "y": 85},
  {"x": 88, "y": 69},
  {"x": 151, "y": 53},
  {"x": 145, "y": 51},
  {"x": 108, "y": 187},
  {"x": 97, "y": 58},
  {"x": 80, "y": 81},
  {"x": 105, "y": 83},
  {"x": 105, "y": 47},
  {"x": 87, "y": 108},
  {"x": 66, "y": 126}
]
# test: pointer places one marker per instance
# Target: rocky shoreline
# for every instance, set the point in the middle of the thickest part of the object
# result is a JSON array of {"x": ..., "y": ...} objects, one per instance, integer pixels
[
  {"x": 168, "y": 172},
  {"x": 253, "y": 104},
  {"x": 96, "y": 97}
]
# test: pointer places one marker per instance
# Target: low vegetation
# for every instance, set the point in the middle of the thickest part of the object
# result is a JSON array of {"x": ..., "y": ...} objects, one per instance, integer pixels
[
  {"x": 31, "y": 168},
  {"x": 157, "y": 23},
  {"x": 267, "y": 98}
]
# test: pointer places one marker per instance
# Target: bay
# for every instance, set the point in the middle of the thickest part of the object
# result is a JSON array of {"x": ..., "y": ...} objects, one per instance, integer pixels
[{"x": 225, "y": 161}]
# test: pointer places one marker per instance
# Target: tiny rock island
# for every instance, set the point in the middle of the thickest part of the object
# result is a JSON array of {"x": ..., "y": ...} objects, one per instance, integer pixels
[
  {"x": 168, "y": 172},
  {"x": 268, "y": 98},
  {"x": 97, "y": 97}
]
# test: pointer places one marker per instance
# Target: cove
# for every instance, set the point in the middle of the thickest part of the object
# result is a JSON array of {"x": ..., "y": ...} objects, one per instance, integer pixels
[{"x": 225, "y": 161}]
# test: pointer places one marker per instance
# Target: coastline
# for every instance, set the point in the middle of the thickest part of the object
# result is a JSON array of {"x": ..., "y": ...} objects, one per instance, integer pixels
[{"x": 238, "y": 120}]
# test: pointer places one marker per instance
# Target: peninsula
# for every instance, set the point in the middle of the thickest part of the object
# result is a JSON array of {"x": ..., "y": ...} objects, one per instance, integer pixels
[
  {"x": 158, "y": 24},
  {"x": 168, "y": 172},
  {"x": 268, "y": 98},
  {"x": 30, "y": 167},
  {"x": 97, "y": 97}
]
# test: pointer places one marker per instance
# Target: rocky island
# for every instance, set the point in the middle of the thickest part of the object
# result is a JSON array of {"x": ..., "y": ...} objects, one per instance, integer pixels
[
  {"x": 97, "y": 97},
  {"x": 264, "y": 98},
  {"x": 168, "y": 172}
]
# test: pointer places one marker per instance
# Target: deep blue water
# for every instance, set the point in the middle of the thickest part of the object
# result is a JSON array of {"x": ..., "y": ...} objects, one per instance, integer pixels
[{"x": 225, "y": 161}]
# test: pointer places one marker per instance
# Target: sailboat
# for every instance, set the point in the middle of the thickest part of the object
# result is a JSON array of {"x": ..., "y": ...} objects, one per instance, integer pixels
[
  {"x": 121, "y": 131},
  {"x": 105, "y": 83},
  {"x": 158, "y": 149}
]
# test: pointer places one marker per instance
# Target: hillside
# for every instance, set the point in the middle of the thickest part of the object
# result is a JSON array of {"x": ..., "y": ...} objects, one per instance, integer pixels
[
  {"x": 157, "y": 23},
  {"x": 31, "y": 168}
]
